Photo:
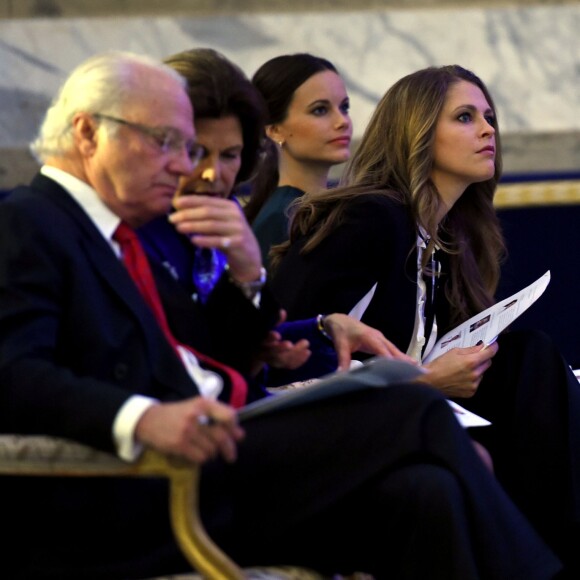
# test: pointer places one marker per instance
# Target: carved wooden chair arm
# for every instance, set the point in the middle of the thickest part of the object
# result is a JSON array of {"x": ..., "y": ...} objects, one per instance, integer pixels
[{"x": 49, "y": 456}]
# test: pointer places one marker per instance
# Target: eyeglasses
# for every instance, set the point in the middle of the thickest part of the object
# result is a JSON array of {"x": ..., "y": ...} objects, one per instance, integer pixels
[{"x": 168, "y": 139}]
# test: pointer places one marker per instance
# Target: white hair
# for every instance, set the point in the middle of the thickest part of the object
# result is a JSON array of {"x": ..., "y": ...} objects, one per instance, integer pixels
[{"x": 101, "y": 84}]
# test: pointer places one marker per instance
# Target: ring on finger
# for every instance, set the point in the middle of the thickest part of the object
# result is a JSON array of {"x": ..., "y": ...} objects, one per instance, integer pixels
[{"x": 204, "y": 420}]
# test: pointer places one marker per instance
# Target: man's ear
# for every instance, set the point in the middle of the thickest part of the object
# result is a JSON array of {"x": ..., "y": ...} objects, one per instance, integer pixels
[{"x": 85, "y": 129}]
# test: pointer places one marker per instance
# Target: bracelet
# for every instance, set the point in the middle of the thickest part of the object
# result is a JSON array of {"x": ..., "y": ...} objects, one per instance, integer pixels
[
  {"x": 320, "y": 325},
  {"x": 250, "y": 289}
]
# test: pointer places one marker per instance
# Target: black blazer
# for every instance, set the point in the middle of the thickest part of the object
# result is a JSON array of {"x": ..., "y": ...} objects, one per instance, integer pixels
[
  {"x": 375, "y": 243},
  {"x": 76, "y": 338}
]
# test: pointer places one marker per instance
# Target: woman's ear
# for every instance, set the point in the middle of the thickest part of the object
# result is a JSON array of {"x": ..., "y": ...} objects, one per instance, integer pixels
[
  {"x": 85, "y": 128},
  {"x": 274, "y": 133}
]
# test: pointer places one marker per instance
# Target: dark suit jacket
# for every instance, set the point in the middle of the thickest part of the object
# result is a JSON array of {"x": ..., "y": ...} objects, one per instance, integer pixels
[
  {"x": 76, "y": 338},
  {"x": 375, "y": 243}
]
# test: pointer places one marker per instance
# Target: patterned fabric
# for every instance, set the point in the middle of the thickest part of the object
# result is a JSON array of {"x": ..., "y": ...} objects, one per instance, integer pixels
[
  {"x": 17, "y": 450},
  {"x": 208, "y": 266},
  {"x": 136, "y": 262}
]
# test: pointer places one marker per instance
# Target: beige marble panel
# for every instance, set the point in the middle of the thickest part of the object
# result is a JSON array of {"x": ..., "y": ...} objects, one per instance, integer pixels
[
  {"x": 542, "y": 152},
  {"x": 88, "y": 8},
  {"x": 529, "y": 56}
]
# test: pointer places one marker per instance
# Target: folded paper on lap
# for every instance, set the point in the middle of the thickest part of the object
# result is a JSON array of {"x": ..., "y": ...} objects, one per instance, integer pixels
[{"x": 376, "y": 372}]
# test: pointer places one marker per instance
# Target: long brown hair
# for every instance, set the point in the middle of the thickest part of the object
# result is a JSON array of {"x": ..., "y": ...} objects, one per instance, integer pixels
[{"x": 395, "y": 159}]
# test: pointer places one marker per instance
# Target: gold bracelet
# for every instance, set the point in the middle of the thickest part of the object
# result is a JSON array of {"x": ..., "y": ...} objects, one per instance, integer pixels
[{"x": 320, "y": 325}]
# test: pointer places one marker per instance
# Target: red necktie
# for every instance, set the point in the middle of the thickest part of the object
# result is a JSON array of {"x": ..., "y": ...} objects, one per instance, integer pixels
[{"x": 137, "y": 264}]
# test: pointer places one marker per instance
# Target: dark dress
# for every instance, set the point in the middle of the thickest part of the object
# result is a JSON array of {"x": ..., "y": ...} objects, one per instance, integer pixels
[
  {"x": 271, "y": 224},
  {"x": 529, "y": 393}
]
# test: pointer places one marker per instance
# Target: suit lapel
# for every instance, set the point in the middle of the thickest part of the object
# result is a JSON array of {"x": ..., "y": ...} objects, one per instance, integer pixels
[{"x": 94, "y": 246}]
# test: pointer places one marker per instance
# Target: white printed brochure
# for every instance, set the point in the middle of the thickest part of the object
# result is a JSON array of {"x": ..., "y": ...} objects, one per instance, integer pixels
[{"x": 486, "y": 326}]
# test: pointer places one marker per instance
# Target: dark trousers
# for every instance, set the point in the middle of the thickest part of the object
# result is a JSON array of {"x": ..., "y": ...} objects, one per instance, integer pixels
[
  {"x": 533, "y": 401},
  {"x": 381, "y": 481},
  {"x": 384, "y": 481}
]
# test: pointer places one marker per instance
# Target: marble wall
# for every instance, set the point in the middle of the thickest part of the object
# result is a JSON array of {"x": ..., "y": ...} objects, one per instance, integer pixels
[
  {"x": 528, "y": 55},
  {"x": 88, "y": 8}
]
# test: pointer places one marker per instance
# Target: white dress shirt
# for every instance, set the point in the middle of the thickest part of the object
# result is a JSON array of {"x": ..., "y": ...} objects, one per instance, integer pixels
[{"x": 418, "y": 339}]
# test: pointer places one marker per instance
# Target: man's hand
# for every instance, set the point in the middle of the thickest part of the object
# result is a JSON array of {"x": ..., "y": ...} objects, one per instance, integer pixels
[
  {"x": 197, "y": 429},
  {"x": 458, "y": 372},
  {"x": 213, "y": 222},
  {"x": 349, "y": 335}
]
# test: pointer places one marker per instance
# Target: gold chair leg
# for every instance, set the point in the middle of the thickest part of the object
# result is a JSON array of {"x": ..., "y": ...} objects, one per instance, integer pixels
[{"x": 188, "y": 530}]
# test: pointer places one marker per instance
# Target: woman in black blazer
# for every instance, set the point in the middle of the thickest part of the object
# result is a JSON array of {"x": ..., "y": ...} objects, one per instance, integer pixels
[{"x": 410, "y": 243}]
